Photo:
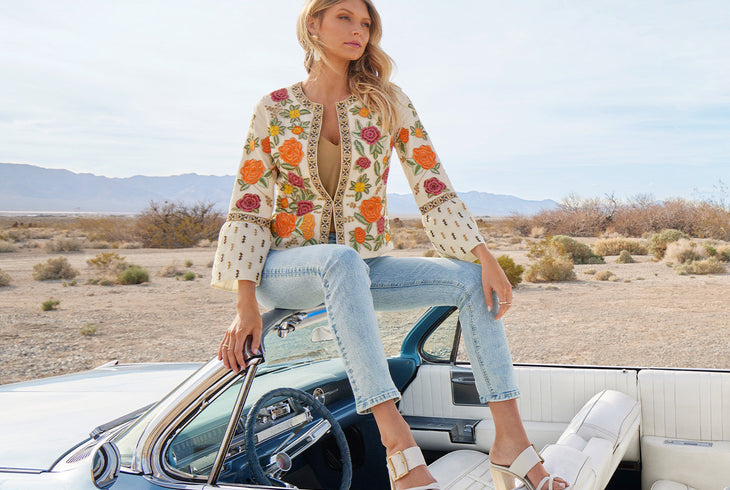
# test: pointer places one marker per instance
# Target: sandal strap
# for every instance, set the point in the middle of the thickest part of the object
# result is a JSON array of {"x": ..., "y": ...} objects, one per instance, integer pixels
[
  {"x": 401, "y": 462},
  {"x": 525, "y": 461},
  {"x": 549, "y": 480}
]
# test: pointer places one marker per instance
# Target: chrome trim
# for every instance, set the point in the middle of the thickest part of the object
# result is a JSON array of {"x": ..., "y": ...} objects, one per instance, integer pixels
[
  {"x": 21, "y": 470},
  {"x": 233, "y": 420}
]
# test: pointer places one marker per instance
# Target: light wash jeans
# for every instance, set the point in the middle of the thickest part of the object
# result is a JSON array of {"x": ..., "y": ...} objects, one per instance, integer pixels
[{"x": 352, "y": 289}]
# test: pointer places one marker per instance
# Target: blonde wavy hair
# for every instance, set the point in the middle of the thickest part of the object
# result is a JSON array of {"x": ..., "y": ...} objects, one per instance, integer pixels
[{"x": 369, "y": 76}]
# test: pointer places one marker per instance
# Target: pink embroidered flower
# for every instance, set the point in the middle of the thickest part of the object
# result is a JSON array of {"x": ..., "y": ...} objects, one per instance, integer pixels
[
  {"x": 296, "y": 180},
  {"x": 381, "y": 225},
  {"x": 279, "y": 95},
  {"x": 433, "y": 186},
  {"x": 370, "y": 134},
  {"x": 362, "y": 162},
  {"x": 385, "y": 175},
  {"x": 304, "y": 207},
  {"x": 248, "y": 203}
]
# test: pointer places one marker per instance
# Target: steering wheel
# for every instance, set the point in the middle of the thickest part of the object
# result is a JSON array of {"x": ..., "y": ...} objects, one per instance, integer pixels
[{"x": 295, "y": 444}]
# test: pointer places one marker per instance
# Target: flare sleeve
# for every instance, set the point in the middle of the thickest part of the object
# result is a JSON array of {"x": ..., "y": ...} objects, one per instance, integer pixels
[
  {"x": 245, "y": 238},
  {"x": 446, "y": 220}
]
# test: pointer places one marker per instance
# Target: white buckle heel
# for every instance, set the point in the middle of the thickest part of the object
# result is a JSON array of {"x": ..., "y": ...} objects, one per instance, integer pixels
[
  {"x": 514, "y": 475},
  {"x": 402, "y": 462}
]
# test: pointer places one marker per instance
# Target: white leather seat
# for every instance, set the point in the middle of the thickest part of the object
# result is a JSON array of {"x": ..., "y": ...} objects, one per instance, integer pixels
[
  {"x": 670, "y": 485},
  {"x": 586, "y": 455}
]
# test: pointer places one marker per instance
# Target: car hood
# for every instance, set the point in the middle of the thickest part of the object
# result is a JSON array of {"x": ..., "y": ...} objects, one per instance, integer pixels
[{"x": 41, "y": 420}]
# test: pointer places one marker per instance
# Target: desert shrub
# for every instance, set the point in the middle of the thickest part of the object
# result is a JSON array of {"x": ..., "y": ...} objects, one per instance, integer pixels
[
  {"x": 5, "y": 279},
  {"x": 177, "y": 225},
  {"x": 130, "y": 245},
  {"x": 50, "y": 304},
  {"x": 550, "y": 268},
  {"x": 704, "y": 266},
  {"x": 723, "y": 254},
  {"x": 87, "y": 329},
  {"x": 511, "y": 270},
  {"x": 107, "y": 266},
  {"x": 625, "y": 258},
  {"x": 562, "y": 245},
  {"x": 614, "y": 246},
  {"x": 658, "y": 242},
  {"x": 54, "y": 268},
  {"x": 107, "y": 228},
  {"x": 188, "y": 263},
  {"x": 604, "y": 276},
  {"x": 62, "y": 244},
  {"x": 684, "y": 251},
  {"x": 99, "y": 245},
  {"x": 188, "y": 276},
  {"x": 169, "y": 270},
  {"x": 134, "y": 274},
  {"x": 7, "y": 247}
]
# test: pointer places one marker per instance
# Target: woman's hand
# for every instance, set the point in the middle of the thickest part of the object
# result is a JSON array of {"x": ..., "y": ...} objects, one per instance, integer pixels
[
  {"x": 247, "y": 323},
  {"x": 494, "y": 280}
]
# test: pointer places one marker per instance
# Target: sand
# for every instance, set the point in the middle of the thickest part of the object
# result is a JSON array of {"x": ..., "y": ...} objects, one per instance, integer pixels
[{"x": 651, "y": 317}]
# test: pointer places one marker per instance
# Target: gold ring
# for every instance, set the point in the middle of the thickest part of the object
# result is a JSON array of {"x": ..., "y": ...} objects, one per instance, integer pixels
[
  {"x": 505, "y": 303},
  {"x": 229, "y": 348}
]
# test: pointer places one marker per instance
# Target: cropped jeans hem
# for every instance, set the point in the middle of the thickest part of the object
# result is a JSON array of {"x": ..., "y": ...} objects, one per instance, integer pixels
[
  {"x": 510, "y": 395},
  {"x": 365, "y": 407}
]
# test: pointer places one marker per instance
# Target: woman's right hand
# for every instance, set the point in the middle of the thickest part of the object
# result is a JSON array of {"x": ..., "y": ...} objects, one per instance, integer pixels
[{"x": 247, "y": 323}]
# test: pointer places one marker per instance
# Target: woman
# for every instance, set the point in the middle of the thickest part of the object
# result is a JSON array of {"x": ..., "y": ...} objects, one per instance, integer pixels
[{"x": 314, "y": 172}]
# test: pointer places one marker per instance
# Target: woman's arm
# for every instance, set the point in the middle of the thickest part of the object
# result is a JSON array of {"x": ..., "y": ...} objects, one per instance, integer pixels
[
  {"x": 493, "y": 279},
  {"x": 247, "y": 323}
]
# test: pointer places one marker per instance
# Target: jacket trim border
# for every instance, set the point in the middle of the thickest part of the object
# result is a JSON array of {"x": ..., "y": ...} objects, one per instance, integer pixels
[
  {"x": 266, "y": 223},
  {"x": 447, "y": 196}
]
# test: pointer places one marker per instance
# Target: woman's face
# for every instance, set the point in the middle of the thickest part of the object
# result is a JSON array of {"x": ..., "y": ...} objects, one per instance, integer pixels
[{"x": 344, "y": 30}]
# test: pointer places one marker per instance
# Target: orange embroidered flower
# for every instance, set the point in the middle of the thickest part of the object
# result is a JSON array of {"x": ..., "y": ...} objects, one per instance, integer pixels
[
  {"x": 297, "y": 130},
  {"x": 284, "y": 224},
  {"x": 307, "y": 226},
  {"x": 424, "y": 156},
  {"x": 251, "y": 171},
  {"x": 364, "y": 112},
  {"x": 250, "y": 145},
  {"x": 370, "y": 209},
  {"x": 403, "y": 135},
  {"x": 418, "y": 132},
  {"x": 284, "y": 202},
  {"x": 291, "y": 152},
  {"x": 266, "y": 145},
  {"x": 387, "y": 237},
  {"x": 359, "y": 235}
]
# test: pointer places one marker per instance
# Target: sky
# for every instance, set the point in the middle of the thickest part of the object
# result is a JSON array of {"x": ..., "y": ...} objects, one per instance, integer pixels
[{"x": 533, "y": 98}]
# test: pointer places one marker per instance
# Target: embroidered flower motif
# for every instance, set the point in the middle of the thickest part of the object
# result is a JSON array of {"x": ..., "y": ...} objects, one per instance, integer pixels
[
  {"x": 266, "y": 145},
  {"x": 364, "y": 112},
  {"x": 295, "y": 180},
  {"x": 291, "y": 152},
  {"x": 424, "y": 156},
  {"x": 304, "y": 207},
  {"x": 249, "y": 203},
  {"x": 251, "y": 171},
  {"x": 362, "y": 162},
  {"x": 251, "y": 145},
  {"x": 370, "y": 209},
  {"x": 359, "y": 235},
  {"x": 287, "y": 189},
  {"x": 274, "y": 130},
  {"x": 385, "y": 175},
  {"x": 279, "y": 95},
  {"x": 307, "y": 226},
  {"x": 294, "y": 113},
  {"x": 433, "y": 186},
  {"x": 403, "y": 135},
  {"x": 381, "y": 224},
  {"x": 370, "y": 134},
  {"x": 418, "y": 132},
  {"x": 297, "y": 130},
  {"x": 284, "y": 202},
  {"x": 284, "y": 224},
  {"x": 358, "y": 186}
]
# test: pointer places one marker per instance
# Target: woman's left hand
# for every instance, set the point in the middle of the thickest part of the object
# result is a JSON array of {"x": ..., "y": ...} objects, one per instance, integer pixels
[{"x": 494, "y": 280}]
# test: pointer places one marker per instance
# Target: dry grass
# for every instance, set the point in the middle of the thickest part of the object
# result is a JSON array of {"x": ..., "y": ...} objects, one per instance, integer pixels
[
  {"x": 614, "y": 246},
  {"x": 54, "y": 268},
  {"x": 704, "y": 266},
  {"x": 684, "y": 251},
  {"x": 5, "y": 279}
]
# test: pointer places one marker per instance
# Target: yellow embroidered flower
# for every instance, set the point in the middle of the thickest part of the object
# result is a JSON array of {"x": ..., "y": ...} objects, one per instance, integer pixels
[
  {"x": 288, "y": 189},
  {"x": 294, "y": 113},
  {"x": 364, "y": 112},
  {"x": 274, "y": 130},
  {"x": 359, "y": 186}
]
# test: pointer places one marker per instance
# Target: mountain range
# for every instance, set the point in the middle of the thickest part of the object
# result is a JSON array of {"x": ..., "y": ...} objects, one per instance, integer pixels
[{"x": 29, "y": 188}]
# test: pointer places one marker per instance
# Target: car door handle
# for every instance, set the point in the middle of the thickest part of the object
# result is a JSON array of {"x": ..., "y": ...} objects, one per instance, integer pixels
[{"x": 463, "y": 380}]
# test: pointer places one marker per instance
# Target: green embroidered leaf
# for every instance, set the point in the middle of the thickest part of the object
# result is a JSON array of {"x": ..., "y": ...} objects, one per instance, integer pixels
[
  {"x": 359, "y": 148},
  {"x": 367, "y": 245},
  {"x": 361, "y": 219}
]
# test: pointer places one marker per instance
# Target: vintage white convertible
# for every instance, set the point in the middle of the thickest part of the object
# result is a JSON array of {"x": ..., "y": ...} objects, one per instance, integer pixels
[{"x": 289, "y": 420}]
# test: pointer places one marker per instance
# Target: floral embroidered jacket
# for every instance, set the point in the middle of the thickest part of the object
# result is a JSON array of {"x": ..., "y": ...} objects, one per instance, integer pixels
[{"x": 279, "y": 202}]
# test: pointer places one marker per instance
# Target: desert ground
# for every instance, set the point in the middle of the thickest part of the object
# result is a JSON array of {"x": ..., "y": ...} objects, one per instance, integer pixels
[{"x": 649, "y": 317}]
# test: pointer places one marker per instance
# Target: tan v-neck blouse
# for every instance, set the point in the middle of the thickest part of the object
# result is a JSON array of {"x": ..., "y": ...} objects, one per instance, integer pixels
[{"x": 329, "y": 162}]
